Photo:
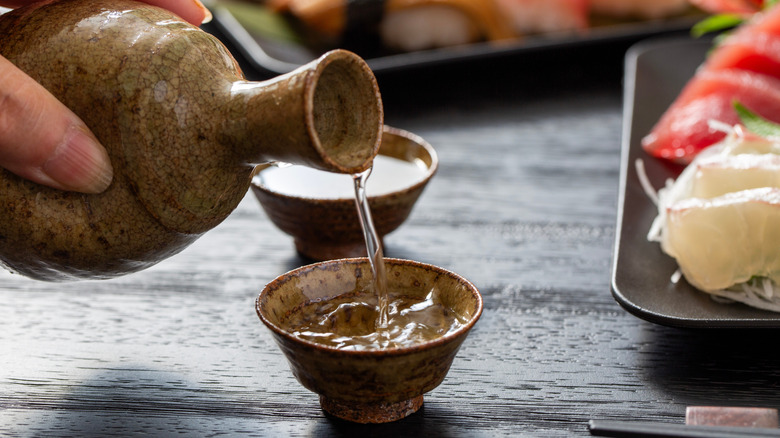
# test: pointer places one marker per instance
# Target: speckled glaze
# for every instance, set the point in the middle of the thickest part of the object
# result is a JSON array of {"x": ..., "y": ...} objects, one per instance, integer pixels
[
  {"x": 369, "y": 386},
  {"x": 182, "y": 126},
  {"x": 326, "y": 229}
]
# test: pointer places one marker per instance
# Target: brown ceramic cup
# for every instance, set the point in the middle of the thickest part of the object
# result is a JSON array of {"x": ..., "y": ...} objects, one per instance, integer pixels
[
  {"x": 372, "y": 385},
  {"x": 326, "y": 229}
]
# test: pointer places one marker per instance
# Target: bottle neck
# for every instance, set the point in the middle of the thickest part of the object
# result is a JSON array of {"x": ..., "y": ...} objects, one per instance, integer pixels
[{"x": 326, "y": 115}]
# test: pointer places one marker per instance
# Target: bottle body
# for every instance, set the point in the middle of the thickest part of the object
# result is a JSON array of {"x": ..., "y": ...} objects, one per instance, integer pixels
[{"x": 182, "y": 127}]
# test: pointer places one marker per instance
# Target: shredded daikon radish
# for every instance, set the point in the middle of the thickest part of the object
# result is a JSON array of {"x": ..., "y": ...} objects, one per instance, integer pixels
[{"x": 644, "y": 181}]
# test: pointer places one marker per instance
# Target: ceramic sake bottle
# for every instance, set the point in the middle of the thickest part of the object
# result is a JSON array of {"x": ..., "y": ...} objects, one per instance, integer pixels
[{"x": 182, "y": 126}]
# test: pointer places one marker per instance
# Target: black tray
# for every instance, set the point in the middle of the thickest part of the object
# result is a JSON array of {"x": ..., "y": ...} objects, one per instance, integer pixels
[
  {"x": 656, "y": 71},
  {"x": 272, "y": 56}
]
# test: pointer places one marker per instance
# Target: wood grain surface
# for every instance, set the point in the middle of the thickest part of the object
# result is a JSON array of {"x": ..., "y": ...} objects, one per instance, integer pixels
[{"x": 524, "y": 206}]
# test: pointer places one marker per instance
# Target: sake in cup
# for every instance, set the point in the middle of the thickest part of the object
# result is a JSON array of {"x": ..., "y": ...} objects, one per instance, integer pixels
[
  {"x": 317, "y": 208},
  {"x": 373, "y": 384}
]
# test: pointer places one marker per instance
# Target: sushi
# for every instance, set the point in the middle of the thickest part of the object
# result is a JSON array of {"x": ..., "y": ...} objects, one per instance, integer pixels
[
  {"x": 644, "y": 9},
  {"x": 408, "y": 25},
  {"x": 457, "y": 21},
  {"x": 745, "y": 67},
  {"x": 545, "y": 16}
]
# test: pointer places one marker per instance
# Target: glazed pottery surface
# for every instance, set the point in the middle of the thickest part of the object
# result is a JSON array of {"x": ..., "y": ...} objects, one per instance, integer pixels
[
  {"x": 368, "y": 386},
  {"x": 326, "y": 229},
  {"x": 183, "y": 129}
]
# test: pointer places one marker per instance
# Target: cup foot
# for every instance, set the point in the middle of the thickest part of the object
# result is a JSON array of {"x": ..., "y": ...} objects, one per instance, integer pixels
[{"x": 371, "y": 412}]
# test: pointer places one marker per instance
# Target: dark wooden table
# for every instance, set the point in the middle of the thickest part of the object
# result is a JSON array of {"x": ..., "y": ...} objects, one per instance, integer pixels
[{"x": 524, "y": 205}]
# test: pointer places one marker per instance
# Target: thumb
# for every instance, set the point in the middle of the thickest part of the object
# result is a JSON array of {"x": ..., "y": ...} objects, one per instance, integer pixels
[{"x": 43, "y": 141}]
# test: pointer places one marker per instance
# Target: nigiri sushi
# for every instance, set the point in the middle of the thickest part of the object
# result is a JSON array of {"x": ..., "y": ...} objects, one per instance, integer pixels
[
  {"x": 467, "y": 19},
  {"x": 545, "y": 16},
  {"x": 639, "y": 8},
  {"x": 430, "y": 26},
  {"x": 409, "y": 25}
]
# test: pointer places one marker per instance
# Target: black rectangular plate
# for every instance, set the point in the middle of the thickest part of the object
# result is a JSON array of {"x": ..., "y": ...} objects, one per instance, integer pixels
[
  {"x": 656, "y": 71},
  {"x": 276, "y": 57}
]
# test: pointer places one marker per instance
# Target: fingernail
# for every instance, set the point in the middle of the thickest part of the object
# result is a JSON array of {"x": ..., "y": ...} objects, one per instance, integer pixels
[
  {"x": 80, "y": 163},
  {"x": 207, "y": 17}
]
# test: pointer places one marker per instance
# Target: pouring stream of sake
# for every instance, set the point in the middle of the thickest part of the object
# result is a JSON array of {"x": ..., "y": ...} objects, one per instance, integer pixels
[
  {"x": 373, "y": 246},
  {"x": 352, "y": 320}
]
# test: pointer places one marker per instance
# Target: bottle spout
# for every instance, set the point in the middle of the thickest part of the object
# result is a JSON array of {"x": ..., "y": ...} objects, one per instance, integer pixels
[
  {"x": 346, "y": 112},
  {"x": 326, "y": 114}
]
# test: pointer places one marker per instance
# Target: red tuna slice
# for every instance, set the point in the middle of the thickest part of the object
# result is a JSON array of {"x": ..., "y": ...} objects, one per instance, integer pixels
[
  {"x": 683, "y": 130},
  {"x": 756, "y": 52},
  {"x": 767, "y": 21}
]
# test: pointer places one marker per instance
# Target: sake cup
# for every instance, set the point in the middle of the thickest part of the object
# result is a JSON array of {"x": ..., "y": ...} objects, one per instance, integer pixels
[
  {"x": 326, "y": 226},
  {"x": 372, "y": 385}
]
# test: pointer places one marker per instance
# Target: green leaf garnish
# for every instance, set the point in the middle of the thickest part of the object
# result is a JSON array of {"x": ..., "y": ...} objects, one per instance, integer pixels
[
  {"x": 755, "y": 123},
  {"x": 723, "y": 22},
  {"x": 716, "y": 23},
  {"x": 259, "y": 20}
]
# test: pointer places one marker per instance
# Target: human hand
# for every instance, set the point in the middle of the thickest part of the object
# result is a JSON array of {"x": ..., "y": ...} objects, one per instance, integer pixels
[
  {"x": 42, "y": 140},
  {"x": 191, "y": 11}
]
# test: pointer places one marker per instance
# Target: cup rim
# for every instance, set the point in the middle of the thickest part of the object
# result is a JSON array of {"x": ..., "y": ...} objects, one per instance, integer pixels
[
  {"x": 429, "y": 172},
  {"x": 395, "y": 351}
]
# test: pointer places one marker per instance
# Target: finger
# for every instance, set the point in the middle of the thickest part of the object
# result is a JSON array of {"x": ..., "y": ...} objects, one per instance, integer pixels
[
  {"x": 43, "y": 141},
  {"x": 191, "y": 11},
  {"x": 14, "y": 3}
]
